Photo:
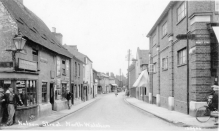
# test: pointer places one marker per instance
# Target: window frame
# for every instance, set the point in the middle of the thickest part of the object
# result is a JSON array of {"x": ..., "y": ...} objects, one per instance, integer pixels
[
  {"x": 64, "y": 67},
  {"x": 76, "y": 69},
  {"x": 216, "y": 6},
  {"x": 165, "y": 63},
  {"x": 182, "y": 57},
  {"x": 154, "y": 67},
  {"x": 164, "y": 29},
  {"x": 153, "y": 40},
  {"x": 44, "y": 92},
  {"x": 30, "y": 92},
  {"x": 182, "y": 11}
]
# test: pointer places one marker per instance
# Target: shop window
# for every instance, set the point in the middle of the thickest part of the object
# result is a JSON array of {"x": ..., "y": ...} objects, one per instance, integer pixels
[
  {"x": 181, "y": 11},
  {"x": 181, "y": 56},
  {"x": 31, "y": 92},
  {"x": 44, "y": 92}
]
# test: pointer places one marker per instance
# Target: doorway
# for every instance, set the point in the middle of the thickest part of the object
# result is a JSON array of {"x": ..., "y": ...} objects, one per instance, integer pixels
[
  {"x": 52, "y": 95},
  {"x": 93, "y": 91},
  {"x": 72, "y": 91}
]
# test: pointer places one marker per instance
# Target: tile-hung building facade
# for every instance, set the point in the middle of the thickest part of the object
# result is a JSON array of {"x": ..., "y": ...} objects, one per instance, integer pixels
[
  {"x": 182, "y": 75},
  {"x": 40, "y": 71}
]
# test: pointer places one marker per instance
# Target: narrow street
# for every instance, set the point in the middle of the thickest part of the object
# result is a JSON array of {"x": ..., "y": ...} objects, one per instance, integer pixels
[{"x": 112, "y": 113}]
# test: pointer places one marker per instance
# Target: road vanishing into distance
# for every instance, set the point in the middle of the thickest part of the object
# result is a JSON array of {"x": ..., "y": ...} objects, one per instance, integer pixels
[{"x": 113, "y": 113}]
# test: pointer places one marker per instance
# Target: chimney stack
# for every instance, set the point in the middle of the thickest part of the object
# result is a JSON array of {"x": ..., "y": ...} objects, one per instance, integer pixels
[
  {"x": 54, "y": 29},
  {"x": 57, "y": 35}
]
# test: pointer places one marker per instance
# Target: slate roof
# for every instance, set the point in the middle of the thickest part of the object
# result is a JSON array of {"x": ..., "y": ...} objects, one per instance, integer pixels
[
  {"x": 33, "y": 28},
  {"x": 144, "y": 56}
]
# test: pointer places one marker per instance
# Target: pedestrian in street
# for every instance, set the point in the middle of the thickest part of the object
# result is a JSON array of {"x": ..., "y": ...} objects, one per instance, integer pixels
[
  {"x": 11, "y": 101},
  {"x": 2, "y": 105},
  {"x": 68, "y": 97}
]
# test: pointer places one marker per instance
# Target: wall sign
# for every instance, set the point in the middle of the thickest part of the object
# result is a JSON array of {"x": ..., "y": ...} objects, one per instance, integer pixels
[
  {"x": 43, "y": 60},
  {"x": 27, "y": 65}
]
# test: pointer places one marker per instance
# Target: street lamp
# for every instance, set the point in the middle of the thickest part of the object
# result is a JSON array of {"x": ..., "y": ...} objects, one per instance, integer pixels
[{"x": 19, "y": 43}]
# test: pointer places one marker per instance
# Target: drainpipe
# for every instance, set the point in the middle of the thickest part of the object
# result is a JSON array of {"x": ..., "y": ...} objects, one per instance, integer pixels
[{"x": 187, "y": 30}]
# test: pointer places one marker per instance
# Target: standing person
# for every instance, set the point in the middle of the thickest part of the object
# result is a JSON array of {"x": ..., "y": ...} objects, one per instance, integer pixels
[
  {"x": 11, "y": 105},
  {"x": 2, "y": 106},
  {"x": 68, "y": 97}
]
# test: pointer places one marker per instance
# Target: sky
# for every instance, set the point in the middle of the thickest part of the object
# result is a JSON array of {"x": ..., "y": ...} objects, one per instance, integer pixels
[{"x": 104, "y": 30}]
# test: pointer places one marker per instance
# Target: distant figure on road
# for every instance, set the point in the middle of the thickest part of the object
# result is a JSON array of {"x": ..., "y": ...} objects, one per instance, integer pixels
[
  {"x": 116, "y": 92},
  {"x": 68, "y": 97}
]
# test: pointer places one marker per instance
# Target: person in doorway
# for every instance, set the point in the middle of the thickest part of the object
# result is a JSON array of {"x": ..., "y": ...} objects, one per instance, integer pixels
[
  {"x": 69, "y": 97},
  {"x": 11, "y": 101}
]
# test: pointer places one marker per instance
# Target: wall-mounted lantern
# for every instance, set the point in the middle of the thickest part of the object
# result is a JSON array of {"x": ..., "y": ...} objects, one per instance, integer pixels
[{"x": 19, "y": 43}]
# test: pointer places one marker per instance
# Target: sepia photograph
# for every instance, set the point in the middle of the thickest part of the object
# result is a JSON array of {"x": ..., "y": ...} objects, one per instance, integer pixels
[{"x": 149, "y": 65}]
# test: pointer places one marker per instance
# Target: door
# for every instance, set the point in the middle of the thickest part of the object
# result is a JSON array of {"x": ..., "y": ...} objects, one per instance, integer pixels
[
  {"x": 82, "y": 96},
  {"x": 72, "y": 91},
  {"x": 52, "y": 95},
  {"x": 93, "y": 91}
]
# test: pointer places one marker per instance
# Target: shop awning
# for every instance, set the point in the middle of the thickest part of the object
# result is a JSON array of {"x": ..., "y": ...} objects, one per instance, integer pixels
[
  {"x": 216, "y": 31},
  {"x": 143, "y": 80}
]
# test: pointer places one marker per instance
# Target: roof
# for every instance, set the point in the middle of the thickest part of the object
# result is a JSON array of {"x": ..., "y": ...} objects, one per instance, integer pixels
[
  {"x": 33, "y": 28},
  {"x": 144, "y": 56},
  {"x": 73, "y": 50},
  {"x": 171, "y": 3}
]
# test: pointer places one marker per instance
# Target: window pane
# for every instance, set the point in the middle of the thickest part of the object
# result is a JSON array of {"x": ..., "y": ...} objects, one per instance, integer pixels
[{"x": 44, "y": 92}]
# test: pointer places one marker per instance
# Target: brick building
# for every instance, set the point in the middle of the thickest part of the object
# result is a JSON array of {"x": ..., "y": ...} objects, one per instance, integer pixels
[
  {"x": 41, "y": 71},
  {"x": 182, "y": 75}
]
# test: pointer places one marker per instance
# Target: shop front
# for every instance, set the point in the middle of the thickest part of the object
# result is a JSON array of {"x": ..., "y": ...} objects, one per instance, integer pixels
[{"x": 25, "y": 86}]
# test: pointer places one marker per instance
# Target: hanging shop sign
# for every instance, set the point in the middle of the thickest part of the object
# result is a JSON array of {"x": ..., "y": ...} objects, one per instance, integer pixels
[{"x": 27, "y": 65}]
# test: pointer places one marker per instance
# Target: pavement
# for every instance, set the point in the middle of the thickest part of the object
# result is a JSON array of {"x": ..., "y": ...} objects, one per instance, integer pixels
[
  {"x": 174, "y": 117},
  {"x": 53, "y": 117}
]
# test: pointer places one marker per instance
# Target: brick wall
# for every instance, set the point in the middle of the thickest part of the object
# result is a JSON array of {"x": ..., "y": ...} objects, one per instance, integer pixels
[{"x": 175, "y": 78}]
